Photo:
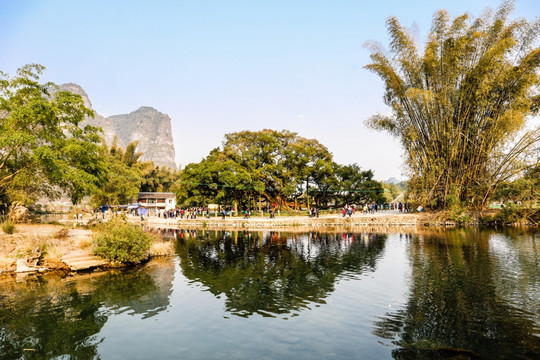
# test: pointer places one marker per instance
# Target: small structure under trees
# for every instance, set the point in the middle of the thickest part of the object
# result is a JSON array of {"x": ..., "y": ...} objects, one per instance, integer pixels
[{"x": 157, "y": 200}]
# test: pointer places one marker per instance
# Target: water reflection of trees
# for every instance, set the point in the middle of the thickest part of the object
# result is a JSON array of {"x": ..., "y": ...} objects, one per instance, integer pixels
[
  {"x": 275, "y": 273},
  {"x": 50, "y": 316},
  {"x": 458, "y": 304}
]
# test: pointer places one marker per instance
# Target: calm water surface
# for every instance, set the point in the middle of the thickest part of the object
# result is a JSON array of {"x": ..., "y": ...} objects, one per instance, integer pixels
[{"x": 463, "y": 294}]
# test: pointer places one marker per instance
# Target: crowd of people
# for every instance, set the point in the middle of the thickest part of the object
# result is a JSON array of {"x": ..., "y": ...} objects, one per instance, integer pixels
[
  {"x": 313, "y": 211},
  {"x": 373, "y": 208}
]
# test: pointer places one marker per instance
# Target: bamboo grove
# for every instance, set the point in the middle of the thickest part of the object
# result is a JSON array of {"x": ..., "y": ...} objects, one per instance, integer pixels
[{"x": 460, "y": 108}]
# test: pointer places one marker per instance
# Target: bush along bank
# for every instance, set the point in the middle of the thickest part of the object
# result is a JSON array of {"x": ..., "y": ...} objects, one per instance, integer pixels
[
  {"x": 120, "y": 242},
  {"x": 513, "y": 215},
  {"x": 44, "y": 247}
]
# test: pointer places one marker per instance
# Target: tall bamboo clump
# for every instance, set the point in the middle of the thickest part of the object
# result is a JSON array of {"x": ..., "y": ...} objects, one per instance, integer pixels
[{"x": 460, "y": 109}]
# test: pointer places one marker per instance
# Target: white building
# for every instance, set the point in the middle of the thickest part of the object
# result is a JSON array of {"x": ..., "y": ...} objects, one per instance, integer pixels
[{"x": 157, "y": 200}]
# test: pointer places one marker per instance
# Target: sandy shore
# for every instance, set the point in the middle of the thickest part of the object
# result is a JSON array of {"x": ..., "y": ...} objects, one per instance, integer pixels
[
  {"x": 40, "y": 242},
  {"x": 43, "y": 247}
]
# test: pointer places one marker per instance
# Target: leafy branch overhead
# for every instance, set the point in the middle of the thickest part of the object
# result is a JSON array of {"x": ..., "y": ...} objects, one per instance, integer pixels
[
  {"x": 46, "y": 150},
  {"x": 42, "y": 147}
]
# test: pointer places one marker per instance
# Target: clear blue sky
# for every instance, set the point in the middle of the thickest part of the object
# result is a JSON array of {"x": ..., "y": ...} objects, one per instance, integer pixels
[{"x": 222, "y": 66}]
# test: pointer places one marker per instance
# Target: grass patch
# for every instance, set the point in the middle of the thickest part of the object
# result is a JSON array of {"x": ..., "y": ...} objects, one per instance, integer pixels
[
  {"x": 8, "y": 227},
  {"x": 162, "y": 248},
  {"x": 121, "y": 242},
  {"x": 62, "y": 234}
]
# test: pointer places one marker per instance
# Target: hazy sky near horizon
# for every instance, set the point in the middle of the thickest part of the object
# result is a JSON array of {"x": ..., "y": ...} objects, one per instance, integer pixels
[{"x": 217, "y": 67}]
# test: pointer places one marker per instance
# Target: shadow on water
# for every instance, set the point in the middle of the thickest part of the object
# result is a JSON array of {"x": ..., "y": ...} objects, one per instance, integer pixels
[
  {"x": 49, "y": 316},
  {"x": 271, "y": 273},
  {"x": 473, "y": 294}
]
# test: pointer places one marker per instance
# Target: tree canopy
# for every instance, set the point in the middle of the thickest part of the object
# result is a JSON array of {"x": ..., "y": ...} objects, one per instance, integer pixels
[
  {"x": 43, "y": 150},
  {"x": 277, "y": 166},
  {"x": 460, "y": 106}
]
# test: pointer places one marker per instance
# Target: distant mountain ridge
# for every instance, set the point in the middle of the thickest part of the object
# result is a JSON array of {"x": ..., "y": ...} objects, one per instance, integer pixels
[{"x": 151, "y": 128}]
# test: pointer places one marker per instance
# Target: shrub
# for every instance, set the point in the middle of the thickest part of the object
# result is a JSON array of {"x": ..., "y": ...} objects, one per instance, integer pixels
[
  {"x": 120, "y": 241},
  {"x": 515, "y": 214},
  {"x": 461, "y": 216},
  {"x": 62, "y": 234},
  {"x": 8, "y": 227}
]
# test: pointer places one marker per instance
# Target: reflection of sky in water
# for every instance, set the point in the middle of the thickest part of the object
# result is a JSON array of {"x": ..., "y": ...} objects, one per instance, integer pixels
[
  {"x": 196, "y": 325},
  {"x": 518, "y": 271},
  {"x": 375, "y": 298}
]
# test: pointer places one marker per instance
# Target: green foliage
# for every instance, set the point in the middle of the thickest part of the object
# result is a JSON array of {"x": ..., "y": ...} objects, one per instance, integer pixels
[
  {"x": 157, "y": 178},
  {"x": 460, "y": 216},
  {"x": 127, "y": 175},
  {"x": 457, "y": 106},
  {"x": 357, "y": 186},
  {"x": 277, "y": 166},
  {"x": 8, "y": 227},
  {"x": 524, "y": 189},
  {"x": 392, "y": 191},
  {"x": 43, "y": 150},
  {"x": 453, "y": 200},
  {"x": 123, "y": 176},
  {"x": 514, "y": 214},
  {"x": 122, "y": 242}
]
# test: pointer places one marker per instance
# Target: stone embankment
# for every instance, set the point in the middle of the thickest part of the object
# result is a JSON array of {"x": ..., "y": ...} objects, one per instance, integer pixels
[
  {"x": 82, "y": 260},
  {"x": 383, "y": 219}
]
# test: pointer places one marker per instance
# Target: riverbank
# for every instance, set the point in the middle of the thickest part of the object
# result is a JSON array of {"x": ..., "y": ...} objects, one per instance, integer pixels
[
  {"x": 359, "y": 221},
  {"x": 40, "y": 247},
  {"x": 45, "y": 247},
  {"x": 384, "y": 219}
]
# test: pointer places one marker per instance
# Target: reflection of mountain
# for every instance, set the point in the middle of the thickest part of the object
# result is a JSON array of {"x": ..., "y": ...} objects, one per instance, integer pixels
[
  {"x": 269, "y": 273},
  {"x": 462, "y": 301},
  {"x": 53, "y": 316}
]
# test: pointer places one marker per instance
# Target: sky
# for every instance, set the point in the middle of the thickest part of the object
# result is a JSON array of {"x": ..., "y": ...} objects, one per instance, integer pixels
[{"x": 217, "y": 67}]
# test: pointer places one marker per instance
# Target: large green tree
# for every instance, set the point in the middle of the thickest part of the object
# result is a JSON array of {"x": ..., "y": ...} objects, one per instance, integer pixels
[
  {"x": 157, "y": 178},
  {"x": 278, "y": 166},
  {"x": 459, "y": 106},
  {"x": 357, "y": 186},
  {"x": 43, "y": 150},
  {"x": 216, "y": 179}
]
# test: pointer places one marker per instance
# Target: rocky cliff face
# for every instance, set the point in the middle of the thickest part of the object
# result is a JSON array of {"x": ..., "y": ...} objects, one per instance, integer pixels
[{"x": 151, "y": 128}]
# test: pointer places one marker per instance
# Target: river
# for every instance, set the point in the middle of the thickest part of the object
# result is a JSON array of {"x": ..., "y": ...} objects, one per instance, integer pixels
[{"x": 431, "y": 294}]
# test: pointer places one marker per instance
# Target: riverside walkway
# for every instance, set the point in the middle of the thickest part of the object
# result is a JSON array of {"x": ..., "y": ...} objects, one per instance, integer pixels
[{"x": 381, "y": 218}]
